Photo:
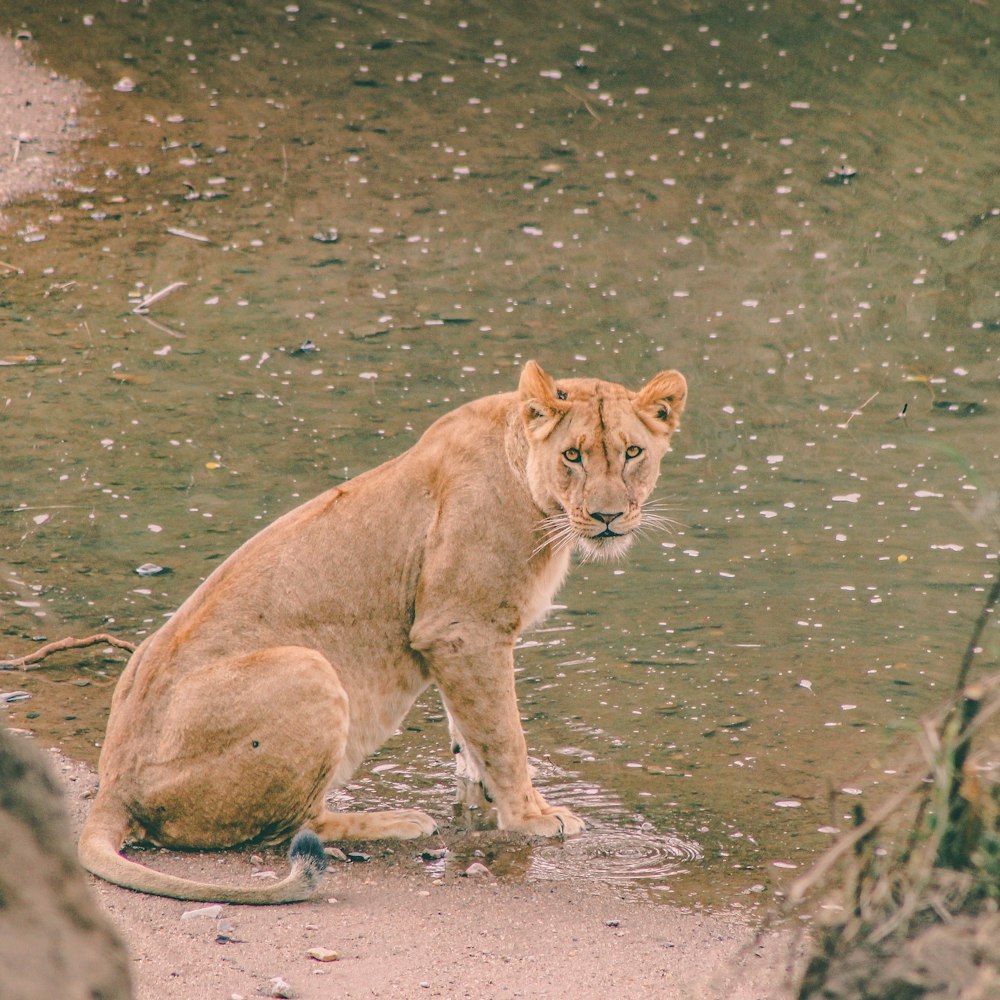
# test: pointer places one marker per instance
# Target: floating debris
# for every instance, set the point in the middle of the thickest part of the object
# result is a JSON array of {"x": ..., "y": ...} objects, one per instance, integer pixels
[
  {"x": 306, "y": 347},
  {"x": 326, "y": 236},
  {"x": 125, "y": 85},
  {"x": 840, "y": 175},
  {"x": 144, "y": 304},
  {"x": 151, "y": 569},
  {"x": 187, "y": 235},
  {"x": 958, "y": 409},
  {"x": 10, "y": 697}
]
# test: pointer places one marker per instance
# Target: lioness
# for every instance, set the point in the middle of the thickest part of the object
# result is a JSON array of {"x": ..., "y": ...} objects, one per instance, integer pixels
[{"x": 303, "y": 651}]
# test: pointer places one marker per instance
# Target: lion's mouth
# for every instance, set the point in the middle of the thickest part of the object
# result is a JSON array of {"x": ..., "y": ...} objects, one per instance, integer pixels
[{"x": 608, "y": 533}]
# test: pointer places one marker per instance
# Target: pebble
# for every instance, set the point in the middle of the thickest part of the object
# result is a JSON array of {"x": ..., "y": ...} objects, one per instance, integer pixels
[
  {"x": 213, "y": 912},
  {"x": 150, "y": 569},
  {"x": 279, "y": 988},
  {"x": 476, "y": 869},
  {"x": 322, "y": 954}
]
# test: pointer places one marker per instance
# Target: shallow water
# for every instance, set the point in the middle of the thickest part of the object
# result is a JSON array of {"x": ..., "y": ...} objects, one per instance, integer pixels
[{"x": 795, "y": 204}]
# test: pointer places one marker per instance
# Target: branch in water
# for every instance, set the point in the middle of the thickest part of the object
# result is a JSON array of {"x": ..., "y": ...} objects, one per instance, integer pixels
[{"x": 27, "y": 662}]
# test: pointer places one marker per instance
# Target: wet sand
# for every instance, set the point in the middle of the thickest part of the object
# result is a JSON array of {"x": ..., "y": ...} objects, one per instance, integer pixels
[
  {"x": 38, "y": 123},
  {"x": 400, "y": 932}
]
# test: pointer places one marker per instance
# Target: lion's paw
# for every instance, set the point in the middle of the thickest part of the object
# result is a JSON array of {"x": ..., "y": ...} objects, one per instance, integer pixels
[
  {"x": 556, "y": 821},
  {"x": 405, "y": 824}
]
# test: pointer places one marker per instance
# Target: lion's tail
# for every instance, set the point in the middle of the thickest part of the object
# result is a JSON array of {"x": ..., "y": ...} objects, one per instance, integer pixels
[{"x": 104, "y": 834}]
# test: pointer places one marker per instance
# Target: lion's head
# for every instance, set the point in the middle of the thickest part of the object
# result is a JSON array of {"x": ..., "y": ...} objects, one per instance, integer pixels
[{"x": 594, "y": 451}]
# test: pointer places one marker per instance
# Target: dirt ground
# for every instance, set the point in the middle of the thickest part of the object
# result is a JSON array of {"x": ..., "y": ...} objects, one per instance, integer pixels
[{"x": 397, "y": 929}]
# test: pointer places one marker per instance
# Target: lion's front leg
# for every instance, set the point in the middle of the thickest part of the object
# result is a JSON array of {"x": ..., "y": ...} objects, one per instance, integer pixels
[{"x": 477, "y": 686}]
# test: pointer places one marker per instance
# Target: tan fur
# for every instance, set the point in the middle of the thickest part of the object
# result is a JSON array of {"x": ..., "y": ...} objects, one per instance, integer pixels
[{"x": 303, "y": 652}]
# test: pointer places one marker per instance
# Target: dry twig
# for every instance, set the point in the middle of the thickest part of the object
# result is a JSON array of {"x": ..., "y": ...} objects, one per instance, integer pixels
[{"x": 30, "y": 660}]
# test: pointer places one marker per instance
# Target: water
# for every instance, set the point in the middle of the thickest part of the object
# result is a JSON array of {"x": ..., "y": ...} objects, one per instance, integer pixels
[{"x": 795, "y": 204}]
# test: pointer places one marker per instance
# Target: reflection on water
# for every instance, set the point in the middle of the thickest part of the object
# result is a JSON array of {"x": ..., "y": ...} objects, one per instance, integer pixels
[{"x": 363, "y": 216}]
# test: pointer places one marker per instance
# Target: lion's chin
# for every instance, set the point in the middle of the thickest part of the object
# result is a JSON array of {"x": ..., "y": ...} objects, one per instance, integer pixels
[{"x": 604, "y": 549}]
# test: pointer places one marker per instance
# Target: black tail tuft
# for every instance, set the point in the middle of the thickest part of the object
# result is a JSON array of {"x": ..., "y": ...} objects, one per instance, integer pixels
[{"x": 306, "y": 852}]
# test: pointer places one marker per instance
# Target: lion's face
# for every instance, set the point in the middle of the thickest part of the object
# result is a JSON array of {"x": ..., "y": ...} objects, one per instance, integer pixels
[{"x": 594, "y": 451}]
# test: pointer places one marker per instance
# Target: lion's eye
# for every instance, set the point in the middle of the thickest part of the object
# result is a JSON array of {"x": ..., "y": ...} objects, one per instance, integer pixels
[
  {"x": 633, "y": 451},
  {"x": 572, "y": 455}
]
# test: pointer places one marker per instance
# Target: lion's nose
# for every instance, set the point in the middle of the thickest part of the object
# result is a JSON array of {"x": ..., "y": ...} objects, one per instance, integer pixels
[{"x": 605, "y": 518}]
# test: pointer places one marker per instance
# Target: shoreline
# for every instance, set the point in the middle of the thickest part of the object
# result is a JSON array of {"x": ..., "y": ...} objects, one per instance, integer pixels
[
  {"x": 400, "y": 932},
  {"x": 39, "y": 123}
]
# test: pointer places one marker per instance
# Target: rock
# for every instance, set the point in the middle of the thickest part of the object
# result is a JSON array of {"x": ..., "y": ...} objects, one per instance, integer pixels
[
  {"x": 55, "y": 940},
  {"x": 476, "y": 869},
  {"x": 279, "y": 988},
  {"x": 322, "y": 954},
  {"x": 213, "y": 912}
]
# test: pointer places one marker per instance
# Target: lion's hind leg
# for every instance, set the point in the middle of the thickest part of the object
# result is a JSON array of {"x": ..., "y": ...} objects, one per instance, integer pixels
[
  {"x": 246, "y": 749},
  {"x": 393, "y": 824}
]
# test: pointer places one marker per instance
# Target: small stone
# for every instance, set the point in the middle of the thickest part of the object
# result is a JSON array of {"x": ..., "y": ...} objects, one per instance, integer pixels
[
  {"x": 125, "y": 85},
  {"x": 256, "y": 859},
  {"x": 279, "y": 988},
  {"x": 476, "y": 869},
  {"x": 213, "y": 912},
  {"x": 322, "y": 954},
  {"x": 151, "y": 569}
]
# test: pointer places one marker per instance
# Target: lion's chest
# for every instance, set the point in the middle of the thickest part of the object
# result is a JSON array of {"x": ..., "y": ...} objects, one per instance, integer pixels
[{"x": 544, "y": 587}]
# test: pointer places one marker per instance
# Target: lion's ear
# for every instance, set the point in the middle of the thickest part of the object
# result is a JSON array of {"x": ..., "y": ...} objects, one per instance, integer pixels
[
  {"x": 660, "y": 402},
  {"x": 541, "y": 407}
]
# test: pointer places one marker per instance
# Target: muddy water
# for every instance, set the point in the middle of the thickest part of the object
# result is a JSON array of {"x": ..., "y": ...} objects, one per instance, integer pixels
[{"x": 795, "y": 204}]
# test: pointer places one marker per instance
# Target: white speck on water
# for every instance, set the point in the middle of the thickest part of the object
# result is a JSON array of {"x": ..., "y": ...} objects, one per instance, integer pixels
[
  {"x": 213, "y": 300},
  {"x": 800, "y": 105},
  {"x": 847, "y": 498},
  {"x": 775, "y": 459},
  {"x": 368, "y": 375},
  {"x": 808, "y": 685},
  {"x": 41, "y": 518},
  {"x": 851, "y": 791},
  {"x": 551, "y": 74},
  {"x": 694, "y": 553},
  {"x": 768, "y": 513},
  {"x": 923, "y": 494},
  {"x": 848, "y": 708},
  {"x": 951, "y": 547},
  {"x": 695, "y": 458},
  {"x": 788, "y": 803},
  {"x": 784, "y": 864},
  {"x": 107, "y": 442},
  {"x": 155, "y": 528},
  {"x": 950, "y": 236},
  {"x": 750, "y": 303},
  {"x": 163, "y": 351}
]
